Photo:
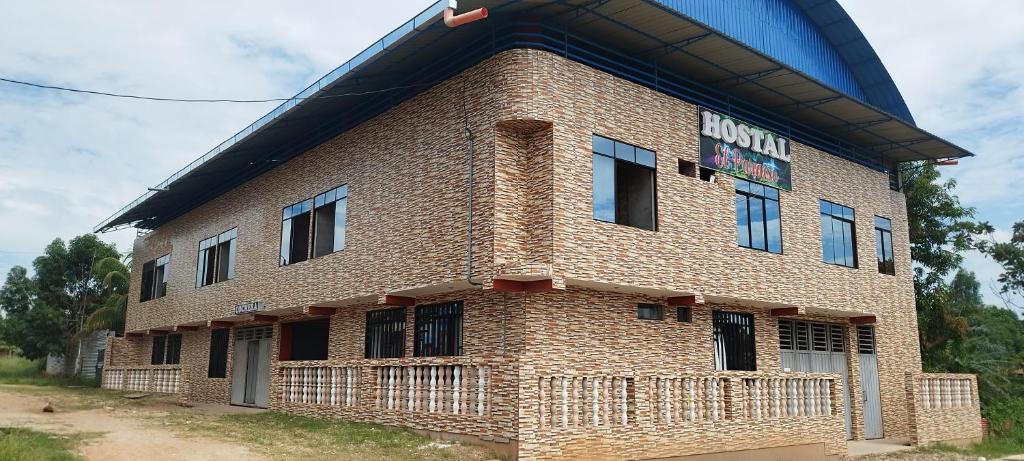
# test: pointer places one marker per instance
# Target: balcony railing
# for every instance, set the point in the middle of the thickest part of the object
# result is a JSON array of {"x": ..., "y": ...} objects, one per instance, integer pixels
[
  {"x": 945, "y": 407},
  {"x": 157, "y": 378}
]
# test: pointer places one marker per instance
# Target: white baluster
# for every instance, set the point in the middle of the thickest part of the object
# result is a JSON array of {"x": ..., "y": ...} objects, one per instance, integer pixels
[
  {"x": 596, "y": 413},
  {"x": 411, "y": 404},
  {"x": 433, "y": 389},
  {"x": 480, "y": 390},
  {"x": 565, "y": 401},
  {"x": 456, "y": 389},
  {"x": 666, "y": 395},
  {"x": 714, "y": 399},
  {"x": 623, "y": 403}
]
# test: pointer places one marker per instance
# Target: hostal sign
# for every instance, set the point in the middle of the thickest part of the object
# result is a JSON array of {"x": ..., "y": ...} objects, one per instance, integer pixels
[{"x": 744, "y": 151}]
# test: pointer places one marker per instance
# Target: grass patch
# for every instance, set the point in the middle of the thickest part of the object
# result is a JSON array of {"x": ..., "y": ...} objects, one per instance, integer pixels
[
  {"x": 990, "y": 447},
  {"x": 28, "y": 445},
  {"x": 283, "y": 436},
  {"x": 19, "y": 370}
]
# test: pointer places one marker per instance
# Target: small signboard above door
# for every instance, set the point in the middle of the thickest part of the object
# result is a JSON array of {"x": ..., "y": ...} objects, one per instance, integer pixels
[
  {"x": 737, "y": 148},
  {"x": 248, "y": 307}
]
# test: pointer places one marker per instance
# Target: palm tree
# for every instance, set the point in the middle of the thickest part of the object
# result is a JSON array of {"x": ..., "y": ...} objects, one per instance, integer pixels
[{"x": 114, "y": 276}]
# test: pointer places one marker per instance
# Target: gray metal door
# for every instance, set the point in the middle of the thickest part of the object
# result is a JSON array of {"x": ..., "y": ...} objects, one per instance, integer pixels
[
  {"x": 250, "y": 373},
  {"x": 816, "y": 348},
  {"x": 869, "y": 382}
]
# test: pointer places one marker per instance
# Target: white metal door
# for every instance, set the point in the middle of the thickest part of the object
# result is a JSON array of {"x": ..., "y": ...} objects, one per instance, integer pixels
[
  {"x": 869, "y": 382},
  {"x": 250, "y": 372},
  {"x": 816, "y": 348}
]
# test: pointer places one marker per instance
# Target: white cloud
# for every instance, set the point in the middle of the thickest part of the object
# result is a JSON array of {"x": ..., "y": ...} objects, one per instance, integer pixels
[
  {"x": 960, "y": 68},
  {"x": 69, "y": 161}
]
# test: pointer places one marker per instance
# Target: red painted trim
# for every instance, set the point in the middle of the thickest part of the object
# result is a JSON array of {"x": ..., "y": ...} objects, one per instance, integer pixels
[
  {"x": 393, "y": 300},
  {"x": 219, "y": 324},
  {"x": 864, "y": 320},
  {"x": 677, "y": 301},
  {"x": 263, "y": 318},
  {"x": 134, "y": 335},
  {"x": 158, "y": 332},
  {"x": 185, "y": 328},
  {"x": 285, "y": 349},
  {"x": 782, "y": 311},
  {"x": 317, "y": 310},
  {"x": 531, "y": 286}
]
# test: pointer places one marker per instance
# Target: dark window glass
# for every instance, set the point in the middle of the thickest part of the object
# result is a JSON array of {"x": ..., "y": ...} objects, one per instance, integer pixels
[
  {"x": 883, "y": 246},
  {"x": 385, "y": 333},
  {"x": 159, "y": 345},
  {"x": 838, "y": 234},
  {"x": 329, "y": 221},
  {"x": 758, "y": 224},
  {"x": 650, "y": 312},
  {"x": 624, "y": 189},
  {"x": 438, "y": 330},
  {"x": 684, "y": 314},
  {"x": 734, "y": 341},
  {"x": 306, "y": 340},
  {"x": 295, "y": 232},
  {"x": 218, "y": 367},
  {"x": 173, "y": 355},
  {"x": 216, "y": 261},
  {"x": 154, "y": 279},
  {"x": 687, "y": 168}
]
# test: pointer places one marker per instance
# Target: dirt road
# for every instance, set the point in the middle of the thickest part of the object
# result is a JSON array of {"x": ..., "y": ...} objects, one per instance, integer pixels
[{"x": 116, "y": 434}]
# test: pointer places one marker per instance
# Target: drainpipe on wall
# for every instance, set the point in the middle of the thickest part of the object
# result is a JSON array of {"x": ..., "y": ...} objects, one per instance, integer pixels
[{"x": 453, "y": 20}]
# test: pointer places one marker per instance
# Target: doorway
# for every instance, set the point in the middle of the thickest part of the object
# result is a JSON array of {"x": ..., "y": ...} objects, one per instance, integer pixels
[
  {"x": 815, "y": 347},
  {"x": 250, "y": 373},
  {"x": 869, "y": 382}
]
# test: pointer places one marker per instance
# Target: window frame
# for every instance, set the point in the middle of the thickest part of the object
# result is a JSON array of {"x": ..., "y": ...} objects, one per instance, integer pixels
[
  {"x": 766, "y": 194},
  {"x": 722, "y": 349},
  {"x": 842, "y": 219},
  {"x": 658, "y": 309},
  {"x": 148, "y": 282},
  {"x": 629, "y": 157},
  {"x": 385, "y": 333},
  {"x": 337, "y": 196},
  {"x": 209, "y": 258},
  {"x": 883, "y": 229},
  {"x": 453, "y": 322},
  {"x": 288, "y": 213},
  {"x": 217, "y": 366}
]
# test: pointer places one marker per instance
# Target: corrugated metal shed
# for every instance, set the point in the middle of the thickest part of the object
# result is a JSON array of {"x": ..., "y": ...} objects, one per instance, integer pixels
[{"x": 846, "y": 106}]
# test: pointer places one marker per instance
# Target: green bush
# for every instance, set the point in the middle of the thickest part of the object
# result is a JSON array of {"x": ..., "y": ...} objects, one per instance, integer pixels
[
  {"x": 19, "y": 370},
  {"x": 1006, "y": 420},
  {"x": 27, "y": 445}
]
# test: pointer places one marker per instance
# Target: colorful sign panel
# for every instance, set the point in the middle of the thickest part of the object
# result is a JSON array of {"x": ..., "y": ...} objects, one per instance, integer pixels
[
  {"x": 739, "y": 149},
  {"x": 248, "y": 307}
]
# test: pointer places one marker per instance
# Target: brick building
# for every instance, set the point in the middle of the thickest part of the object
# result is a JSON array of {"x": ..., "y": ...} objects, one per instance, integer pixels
[{"x": 622, "y": 229}]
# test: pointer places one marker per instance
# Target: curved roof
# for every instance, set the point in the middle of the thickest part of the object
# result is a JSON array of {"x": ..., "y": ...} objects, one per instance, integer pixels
[{"x": 815, "y": 81}]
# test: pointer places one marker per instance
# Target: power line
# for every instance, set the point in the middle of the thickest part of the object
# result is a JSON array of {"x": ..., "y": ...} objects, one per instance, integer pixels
[{"x": 162, "y": 99}]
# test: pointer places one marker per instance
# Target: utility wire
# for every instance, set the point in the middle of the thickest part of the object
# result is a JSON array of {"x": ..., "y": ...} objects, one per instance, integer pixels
[{"x": 154, "y": 98}]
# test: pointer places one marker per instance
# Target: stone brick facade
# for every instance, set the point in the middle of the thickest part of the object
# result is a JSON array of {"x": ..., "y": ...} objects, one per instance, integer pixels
[{"x": 531, "y": 355}]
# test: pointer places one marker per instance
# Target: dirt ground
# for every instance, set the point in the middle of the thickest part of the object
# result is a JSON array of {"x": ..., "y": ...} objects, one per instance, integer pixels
[{"x": 115, "y": 434}]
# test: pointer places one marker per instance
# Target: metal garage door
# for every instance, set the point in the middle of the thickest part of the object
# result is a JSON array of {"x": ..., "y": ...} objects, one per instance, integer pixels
[
  {"x": 816, "y": 347},
  {"x": 869, "y": 382}
]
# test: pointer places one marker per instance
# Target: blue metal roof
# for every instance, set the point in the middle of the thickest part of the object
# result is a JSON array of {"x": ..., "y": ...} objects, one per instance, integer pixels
[
  {"x": 804, "y": 92},
  {"x": 816, "y": 37}
]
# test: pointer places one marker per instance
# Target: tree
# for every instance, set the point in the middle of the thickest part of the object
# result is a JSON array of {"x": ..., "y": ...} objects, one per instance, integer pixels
[
  {"x": 114, "y": 279},
  {"x": 941, "y": 229},
  {"x": 28, "y": 324},
  {"x": 1011, "y": 256},
  {"x": 66, "y": 282}
]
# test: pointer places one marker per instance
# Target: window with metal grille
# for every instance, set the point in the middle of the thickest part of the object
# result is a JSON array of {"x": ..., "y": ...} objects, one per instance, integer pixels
[
  {"x": 684, "y": 314},
  {"x": 218, "y": 367},
  {"x": 806, "y": 336},
  {"x": 758, "y": 222},
  {"x": 838, "y": 234},
  {"x": 385, "y": 333},
  {"x": 803, "y": 336},
  {"x": 216, "y": 261},
  {"x": 865, "y": 339},
  {"x": 246, "y": 334},
  {"x": 883, "y": 246},
  {"x": 438, "y": 330},
  {"x": 734, "y": 341},
  {"x": 786, "y": 335},
  {"x": 819, "y": 337},
  {"x": 624, "y": 183},
  {"x": 837, "y": 338},
  {"x": 650, "y": 311},
  {"x": 154, "y": 279}
]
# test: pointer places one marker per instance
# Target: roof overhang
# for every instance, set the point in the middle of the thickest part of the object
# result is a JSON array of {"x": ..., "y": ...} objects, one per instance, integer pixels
[{"x": 642, "y": 41}]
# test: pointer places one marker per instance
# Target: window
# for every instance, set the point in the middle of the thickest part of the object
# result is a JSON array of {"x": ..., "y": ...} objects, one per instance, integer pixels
[
  {"x": 687, "y": 168},
  {"x": 166, "y": 350},
  {"x": 684, "y": 314},
  {"x": 216, "y": 261},
  {"x": 305, "y": 340},
  {"x": 154, "y": 279},
  {"x": 624, "y": 191},
  {"x": 865, "y": 339},
  {"x": 329, "y": 221},
  {"x": 795, "y": 335},
  {"x": 883, "y": 246},
  {"x": 438, "y": 330},
  {"x": 650, "y": 312},
  {"x": 734, "y": 341},
  {"x": 385, "y": 333},
  {"x": 838, "y": 236},
  {"x": 295, "y": 233},
  {"x": 758, "y": 224},
  {"x": 218, "y": 353}
]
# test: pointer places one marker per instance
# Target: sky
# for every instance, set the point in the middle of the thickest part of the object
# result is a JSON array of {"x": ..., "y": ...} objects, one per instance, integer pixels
[{"x": 69, "y": 161}]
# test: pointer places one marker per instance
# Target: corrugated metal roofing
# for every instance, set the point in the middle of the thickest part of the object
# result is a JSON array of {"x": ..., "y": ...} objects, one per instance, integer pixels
[{"x": 643, "y": 41}]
